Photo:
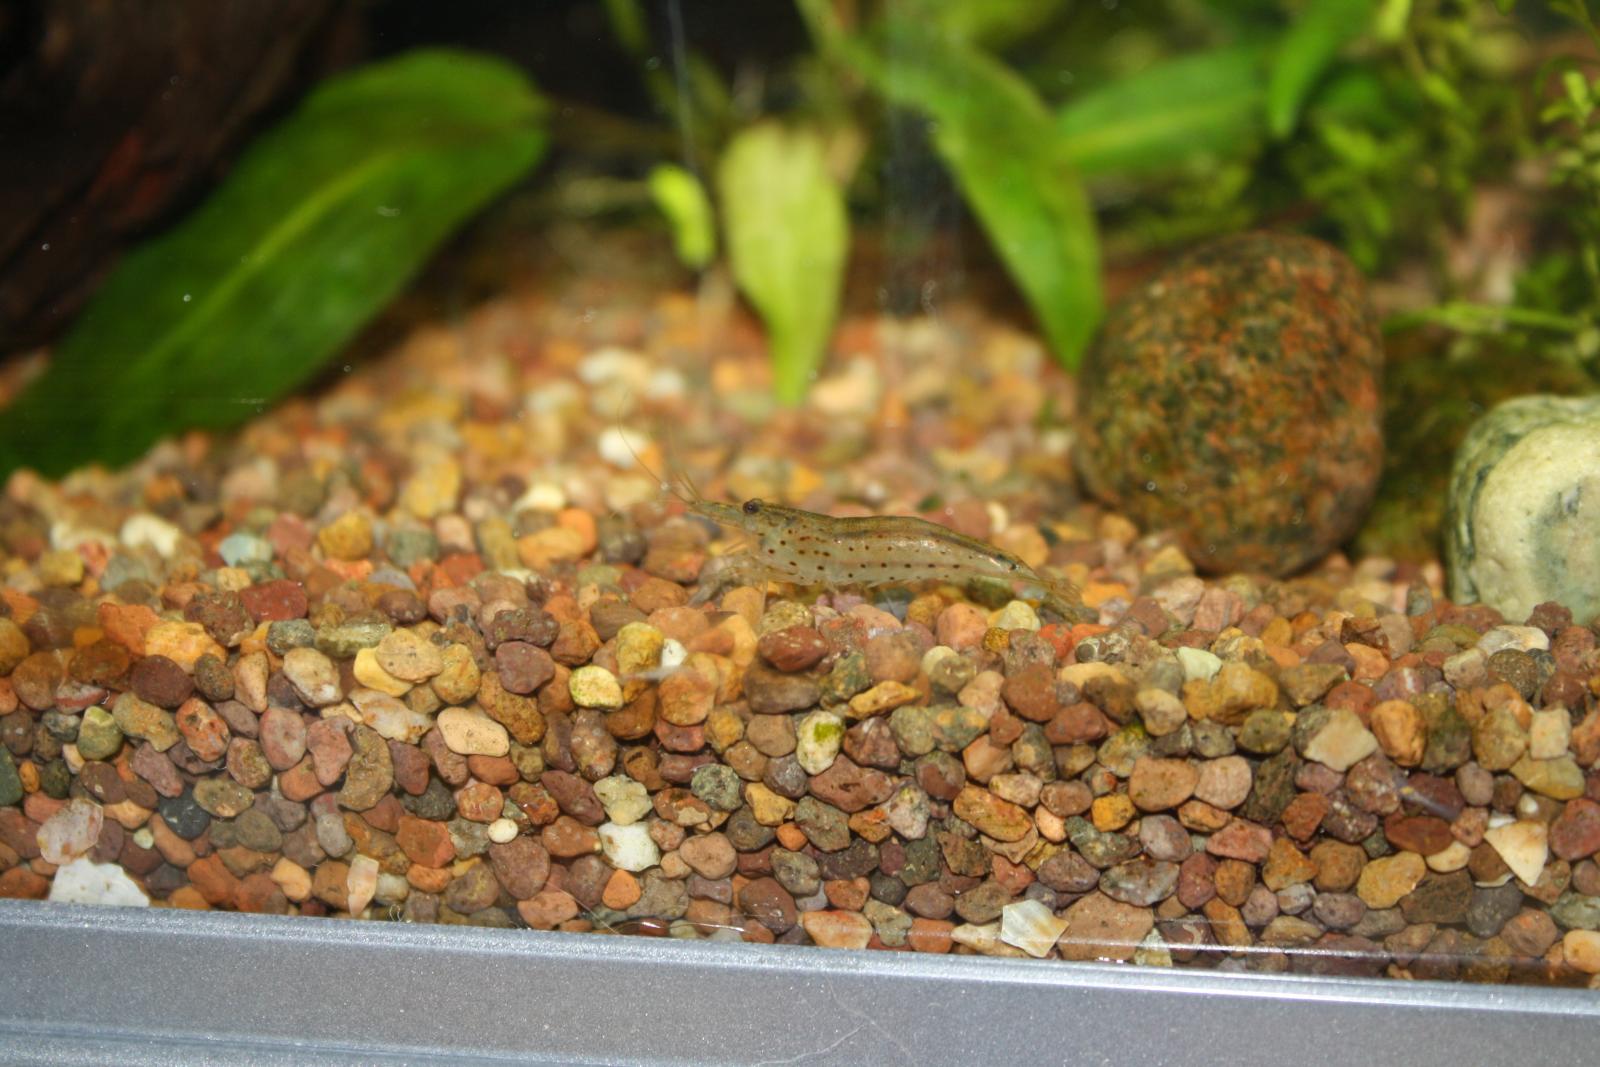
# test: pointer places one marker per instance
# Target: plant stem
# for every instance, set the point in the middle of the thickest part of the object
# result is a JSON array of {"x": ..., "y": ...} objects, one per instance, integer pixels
[{"x": 1483, "y": 318}]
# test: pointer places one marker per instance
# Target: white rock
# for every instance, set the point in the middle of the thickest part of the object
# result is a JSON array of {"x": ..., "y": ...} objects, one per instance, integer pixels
[
  {"x": 625, "y": 800},
  {"x": 471, "y": 733},
  {"x": 1452, "y": 857},
  {"x": 362, "y": 883},
  {"x": 1031, "y": 926},
  {"x": 148, "y": 530},
  {"x": 984, "y": 938},
  {"x": 1342, "y": 742},
  {"x": 619, "y": 449},
  {"x": 818, "y": 740},
  {"x": 1152, "y": 951},
  {"x": 541, "y": 496},
  {"x": 1523, "y": 844},
  {"x": 1524, "y": 508},
  {"x": 1198, "y": 664},
  {"x": 1017, "y": 615},
  {"x": 392, "y": 889},
  {"x": 71, "y": 831},
  {"x": 83, "y": 881},
  {"x": 672, "y": 654},
  {"x": 392, "y": 718},
  {"x": 502, "y": 830},
  {"x": 629, "y": 848},
  {"x": 1550, "y": 734},
  {"x": 1522, "y": 638},
  {"x": 314, "y": 677},
  {"x": 908, "y": 811}
]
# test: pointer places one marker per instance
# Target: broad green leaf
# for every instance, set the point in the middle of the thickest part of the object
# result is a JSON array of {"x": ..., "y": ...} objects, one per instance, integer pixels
[
  {"x": 784, "y": 220},
  {"x": 682, "y": 199},
  {"x": 1324, "y": 27},
  {"x": 1002, "y": 146},
  {"x": 319, "y": 225},
  {"x": 1155, "y": 121}
]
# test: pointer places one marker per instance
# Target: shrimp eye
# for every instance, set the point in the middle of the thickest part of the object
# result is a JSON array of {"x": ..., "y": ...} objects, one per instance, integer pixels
[{"x": 752, "y": 506}]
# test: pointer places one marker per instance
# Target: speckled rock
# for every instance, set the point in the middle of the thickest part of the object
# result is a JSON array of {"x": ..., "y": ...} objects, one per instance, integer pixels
[
  {"x": 1235, "y": 353},
  {"x": 1523, "y": 524}
]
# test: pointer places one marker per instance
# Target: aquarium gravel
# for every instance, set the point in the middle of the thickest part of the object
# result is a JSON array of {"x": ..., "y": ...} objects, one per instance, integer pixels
[{"x": 425, "y": 647}]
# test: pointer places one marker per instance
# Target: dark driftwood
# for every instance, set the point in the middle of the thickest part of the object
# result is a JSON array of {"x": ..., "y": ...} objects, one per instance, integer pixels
[{"x": 113, "y": 115}]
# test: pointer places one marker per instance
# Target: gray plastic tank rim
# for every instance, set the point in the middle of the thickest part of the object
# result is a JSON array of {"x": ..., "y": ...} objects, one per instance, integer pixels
[{"x": 264, "y": 989}]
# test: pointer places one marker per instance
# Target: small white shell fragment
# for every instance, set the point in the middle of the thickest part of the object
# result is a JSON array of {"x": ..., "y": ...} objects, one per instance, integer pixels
[
  {"x": 1031, "y": 926},
  {"x": 1524, "y": 845}
]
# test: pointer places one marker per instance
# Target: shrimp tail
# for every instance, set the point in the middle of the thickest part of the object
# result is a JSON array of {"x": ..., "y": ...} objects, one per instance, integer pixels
[{"x": 1062, "y": 597}]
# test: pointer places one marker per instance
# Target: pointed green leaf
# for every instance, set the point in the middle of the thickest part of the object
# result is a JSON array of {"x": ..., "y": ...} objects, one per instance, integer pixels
[
  {"x": 787, "y": 233},
  {"x": 1011, "y": 163},
  {"x": 1324, "y": 27},
  {"x": 682, "y": 199},
  {"x": 1205, "y": 105},
  {"x": 317, "y": 227}
]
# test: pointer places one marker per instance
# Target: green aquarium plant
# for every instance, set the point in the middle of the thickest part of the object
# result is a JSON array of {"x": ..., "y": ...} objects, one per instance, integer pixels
[
  {"x": 320, "y": 224},
  {"x": 787, "y": 239}
]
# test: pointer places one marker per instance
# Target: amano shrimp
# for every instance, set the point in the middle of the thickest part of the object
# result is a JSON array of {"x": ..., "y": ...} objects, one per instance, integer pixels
[{"x": 807, "y": 548}]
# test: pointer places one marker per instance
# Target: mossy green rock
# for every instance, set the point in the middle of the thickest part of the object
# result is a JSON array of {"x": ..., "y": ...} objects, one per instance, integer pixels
[
  {"x": 99, "y": 736},
  {"x": 10, "y": 780},
  {"x": 1524, "y": 511},
  {"x": 1234, "y": 399}
]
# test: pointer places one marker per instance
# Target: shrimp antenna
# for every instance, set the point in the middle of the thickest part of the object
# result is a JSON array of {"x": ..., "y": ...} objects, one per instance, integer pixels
[{"x": 670, "y": 486}]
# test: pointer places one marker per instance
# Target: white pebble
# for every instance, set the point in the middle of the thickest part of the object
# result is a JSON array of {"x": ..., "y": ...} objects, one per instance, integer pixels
[
  {"x": 1198, "y": 664},
  {"x": 1522, "y": 638},
  {"x": 1550, "y": 734},
  {"x": 1030, "y": 926},
  {"x": 625, "y": 800},
  {"x": 666, "y": 383},
  {"x": 673, "y": 653},
  {"x": 83, "y": 881},
  {"x": 820, "y": 735},
  {"x": 392, "y": 889},
  {"x": 1017, "y": 615},
  {"x": 502, "y": 830},
  {"x": 629, "y": 848},
  {"x": 613, "y": 363},
  {"x": 65, "y": 537},
  {"x": 148, "y": 530},
  {"x": 1523, "y": 845},
  {"x": 613, "y": 446},
  {"x": 471, "y": 733},
  {"x": 541, "y": 496},
  {"x": 70, "y": 832},
  {"x": 1342, "y": 742},
  {"x": 362, "y": 883}
]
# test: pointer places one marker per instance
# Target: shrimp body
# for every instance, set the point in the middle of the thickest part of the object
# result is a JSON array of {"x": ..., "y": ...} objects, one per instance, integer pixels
[
  {"x": 811, "y": 549},
  {"x": 807, "y": 548}
]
